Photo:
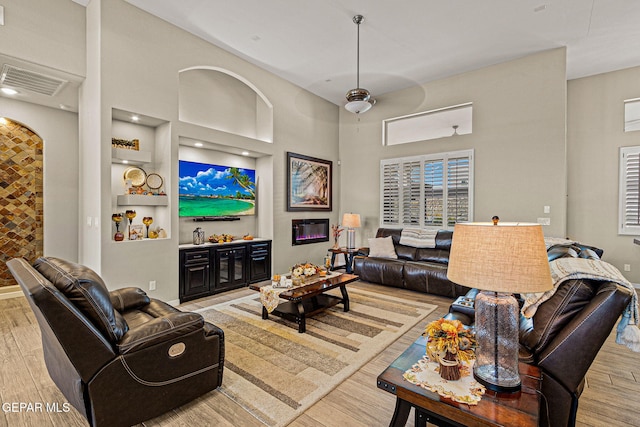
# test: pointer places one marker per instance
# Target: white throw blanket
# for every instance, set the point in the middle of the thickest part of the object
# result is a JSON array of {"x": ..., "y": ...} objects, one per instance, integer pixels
[
  {"x": 580, "y": 268},
  {"x": 418, "y": 237}
]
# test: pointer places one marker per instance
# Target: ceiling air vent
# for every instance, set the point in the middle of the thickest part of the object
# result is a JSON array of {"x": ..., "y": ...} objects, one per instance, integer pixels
[{"x": 19, "y": 78}]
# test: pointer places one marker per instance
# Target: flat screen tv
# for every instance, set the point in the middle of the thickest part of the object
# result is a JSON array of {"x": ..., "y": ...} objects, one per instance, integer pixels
[{"x": 207, "y": 190}]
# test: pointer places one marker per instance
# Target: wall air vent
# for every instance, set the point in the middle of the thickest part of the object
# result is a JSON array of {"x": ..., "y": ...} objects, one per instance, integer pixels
[{"x": 19, "y": 78}]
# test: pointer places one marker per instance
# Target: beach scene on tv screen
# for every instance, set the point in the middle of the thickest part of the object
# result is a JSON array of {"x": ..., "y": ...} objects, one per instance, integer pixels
[{"x": 215, "y": 190}]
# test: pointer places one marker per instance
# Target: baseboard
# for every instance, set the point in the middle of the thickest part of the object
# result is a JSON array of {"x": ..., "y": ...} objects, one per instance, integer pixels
[
  {"x": 636, "y": 285},
  {"x": 11, "y": 292},
  {"x": 174, "y": 303}
]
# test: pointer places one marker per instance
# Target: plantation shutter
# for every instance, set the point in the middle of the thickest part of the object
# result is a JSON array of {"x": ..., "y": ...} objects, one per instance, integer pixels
[
  {"x": 390, "y": 174},
  {"x": 457, "y": 190},
  {"x": 411, "y": 188},
  {"x": 629, "y": 190},
  {"x": 422, "y": 191},
  {"x": 433, "y": 192}
]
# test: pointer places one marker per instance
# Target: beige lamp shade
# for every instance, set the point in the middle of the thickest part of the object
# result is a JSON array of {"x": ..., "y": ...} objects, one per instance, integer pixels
[
  {"x": 508, "y": 257},
  {"x": 351, "y": 220}
]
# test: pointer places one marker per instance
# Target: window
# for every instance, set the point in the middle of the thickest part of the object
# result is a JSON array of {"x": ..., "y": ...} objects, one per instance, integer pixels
[
  {"x": 443, "y": 122},
  {"x": 629, "y": 190},
  {"x": 424, "y": 191}
]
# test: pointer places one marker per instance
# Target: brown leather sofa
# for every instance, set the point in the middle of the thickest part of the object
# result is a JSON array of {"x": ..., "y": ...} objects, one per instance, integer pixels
[
  {"x": 564, "y": 336},
  {"x": 118, "y": 357},
  {"x": 418, "y": 269}
]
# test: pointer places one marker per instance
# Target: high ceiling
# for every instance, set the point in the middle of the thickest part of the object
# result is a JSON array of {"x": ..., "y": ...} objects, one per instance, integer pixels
[
  {"x": 402, "y": 42},
  {"x": 407, "y": 42}
]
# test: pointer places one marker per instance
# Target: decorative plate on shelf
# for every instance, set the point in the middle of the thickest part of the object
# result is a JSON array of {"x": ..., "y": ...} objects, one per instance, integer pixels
[
  {"x": 136, "y": 175},
  {"x": 154, "y": 181}
]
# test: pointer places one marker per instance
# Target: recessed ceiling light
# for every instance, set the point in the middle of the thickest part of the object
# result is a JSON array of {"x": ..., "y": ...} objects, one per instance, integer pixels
[
  {"x": 9, "y": 91},
  {"x": 135, "y": 118},
  {"x": 125, "y": 162},
  {"x": 245, "y": 153},
  {"x": 198, "y": 144}
]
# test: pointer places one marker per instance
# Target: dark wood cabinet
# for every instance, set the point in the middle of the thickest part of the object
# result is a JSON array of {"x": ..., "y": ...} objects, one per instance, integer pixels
[
  {"x": 195, "y": 275},
  {"x": 213, "y": 268},
  {"x": 259, "y": 261}
]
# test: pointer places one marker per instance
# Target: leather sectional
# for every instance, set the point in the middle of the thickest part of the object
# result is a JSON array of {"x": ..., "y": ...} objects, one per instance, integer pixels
[{"x": 418, "y": 269}]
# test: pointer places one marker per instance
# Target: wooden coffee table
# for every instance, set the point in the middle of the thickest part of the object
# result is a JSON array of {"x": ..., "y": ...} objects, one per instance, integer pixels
[
  {"x": 307, "y": 300},
  {"x": 495, "y": 409}
]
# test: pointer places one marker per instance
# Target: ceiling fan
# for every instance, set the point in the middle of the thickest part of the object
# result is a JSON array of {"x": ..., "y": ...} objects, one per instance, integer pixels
[{"x": 358, "y": 100}]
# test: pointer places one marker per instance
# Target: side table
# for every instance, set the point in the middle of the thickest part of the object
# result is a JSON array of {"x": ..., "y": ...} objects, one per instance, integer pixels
[
  {"x": 495, "y": 409},
  {"x": 348, "y": 258}
]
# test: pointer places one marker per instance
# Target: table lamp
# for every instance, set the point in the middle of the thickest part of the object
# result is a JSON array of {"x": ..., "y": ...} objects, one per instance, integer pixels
[
  {"x": 499, "y": 259},
  {"x": 351, "y": 221}
]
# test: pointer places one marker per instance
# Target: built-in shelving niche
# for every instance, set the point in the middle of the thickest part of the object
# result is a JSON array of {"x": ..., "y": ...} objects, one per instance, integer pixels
[{"x": 153, "y": 156}]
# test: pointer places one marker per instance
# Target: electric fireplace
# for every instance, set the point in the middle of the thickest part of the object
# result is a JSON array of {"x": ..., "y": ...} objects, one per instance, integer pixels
[{"x": 306, "y": 231}]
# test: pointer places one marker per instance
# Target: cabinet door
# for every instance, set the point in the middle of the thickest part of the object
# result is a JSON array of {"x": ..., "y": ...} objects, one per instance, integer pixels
[
  {"x": 196, "y": 279},
  {"x": 195, "y": 274},
  {"x": 259, "y": 262},
  {"x": 230, "y": 267},
  {"x": 238, "y": 271},
  {"x": 223, "y": 259}
]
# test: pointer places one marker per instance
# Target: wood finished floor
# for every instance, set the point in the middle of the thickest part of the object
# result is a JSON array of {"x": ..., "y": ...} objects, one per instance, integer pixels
[{"x": 609, "y": 398}]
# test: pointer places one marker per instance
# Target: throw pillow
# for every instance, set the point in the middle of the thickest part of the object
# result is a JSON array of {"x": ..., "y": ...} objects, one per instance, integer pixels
[{"x": 382, "y": 247}]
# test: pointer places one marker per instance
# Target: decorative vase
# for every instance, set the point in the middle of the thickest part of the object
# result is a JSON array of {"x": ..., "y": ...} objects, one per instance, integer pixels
[{"x": 450, "y": 367}]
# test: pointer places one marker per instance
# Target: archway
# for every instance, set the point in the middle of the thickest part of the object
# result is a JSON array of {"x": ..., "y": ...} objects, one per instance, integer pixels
[{"x": 21, "y": 197}]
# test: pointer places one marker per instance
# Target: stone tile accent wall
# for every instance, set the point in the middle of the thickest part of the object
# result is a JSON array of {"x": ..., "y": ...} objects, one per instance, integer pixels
[{"x": 21, "y": 200}]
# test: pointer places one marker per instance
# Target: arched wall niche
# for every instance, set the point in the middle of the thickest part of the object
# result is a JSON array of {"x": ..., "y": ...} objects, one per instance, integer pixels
[
  {"x": 220, "y": 99},
  {"x": 21, "y": 189}
]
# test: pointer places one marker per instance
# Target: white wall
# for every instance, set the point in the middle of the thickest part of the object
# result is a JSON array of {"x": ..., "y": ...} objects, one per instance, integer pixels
[
  {"x": 46, "y": 32},
  {"x": 518, "y": 136},
  {"x": 59, "y": 132},
  {"x": 219, "y": 101},
  {"x": 595, "y": 135},
  {"x": 154, "y": 52}
]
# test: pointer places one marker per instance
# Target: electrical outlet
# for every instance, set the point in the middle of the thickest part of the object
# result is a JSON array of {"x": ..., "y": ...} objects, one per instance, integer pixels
[
  {"x": 547, "y": 209},
  {"x": 627, "y": 267},
  {"x": 544, "y": 221},
  {"x": 152, "y": 285}
]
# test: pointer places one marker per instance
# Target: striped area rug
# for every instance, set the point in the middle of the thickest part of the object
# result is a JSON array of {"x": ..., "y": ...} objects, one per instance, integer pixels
[{"x": 276, "y": 373}]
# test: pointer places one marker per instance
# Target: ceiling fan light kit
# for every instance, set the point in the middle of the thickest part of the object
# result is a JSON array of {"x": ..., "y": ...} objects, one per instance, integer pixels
[{"x": 358, "y": 99}]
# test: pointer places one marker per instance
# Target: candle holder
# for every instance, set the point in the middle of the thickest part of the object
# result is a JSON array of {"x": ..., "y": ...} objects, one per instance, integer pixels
[
  {"x": 147, "y": 220},
  {"x": 130, "y": 214},
  {"x": 117, "y": 218}
]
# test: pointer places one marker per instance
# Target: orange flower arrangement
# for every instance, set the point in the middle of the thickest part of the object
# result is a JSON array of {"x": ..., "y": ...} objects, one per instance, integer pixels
[
  {"x": 450, "y": 336},
  {"x": 306, "y": 269}
]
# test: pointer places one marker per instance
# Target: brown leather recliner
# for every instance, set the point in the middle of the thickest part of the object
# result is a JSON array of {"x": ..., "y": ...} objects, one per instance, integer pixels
[
  {"x": 118, "y": 357},
  {"x": 563, "y": 338}
]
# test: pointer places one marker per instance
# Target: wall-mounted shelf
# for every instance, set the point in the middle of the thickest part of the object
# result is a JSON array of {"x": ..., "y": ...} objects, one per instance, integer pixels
[
  {"x": 133, "y": 157},
  {"x": 142, "y": 200}
]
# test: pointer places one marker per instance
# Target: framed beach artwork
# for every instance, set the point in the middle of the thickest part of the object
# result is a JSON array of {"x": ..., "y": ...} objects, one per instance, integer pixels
[{"x": 309, "y": 183}]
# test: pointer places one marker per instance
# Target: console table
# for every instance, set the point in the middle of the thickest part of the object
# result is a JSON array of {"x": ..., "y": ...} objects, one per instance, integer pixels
[{"x": 495, "y": 409}]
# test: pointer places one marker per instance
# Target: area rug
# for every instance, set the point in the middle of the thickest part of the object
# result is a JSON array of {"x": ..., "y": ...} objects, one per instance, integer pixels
[{"x": 276, "y": 373}]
